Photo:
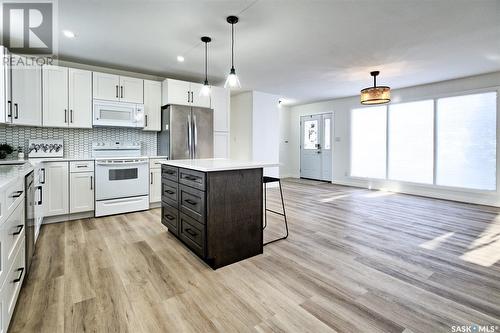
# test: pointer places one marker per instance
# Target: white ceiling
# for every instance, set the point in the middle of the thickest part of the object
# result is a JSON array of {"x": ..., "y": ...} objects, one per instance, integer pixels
[{"x": 304, "y": 50}]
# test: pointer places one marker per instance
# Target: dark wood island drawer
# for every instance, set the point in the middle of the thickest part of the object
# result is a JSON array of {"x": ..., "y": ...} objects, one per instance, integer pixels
[
  {"x": 170, "y": 173},
  {"x": 192, "y": 202},
  {"x": 193, "y": 234},
  {"x": 170, "y": 218},
  {"x": 192, "y": 178},
  {"x": 170, "y": 192}
]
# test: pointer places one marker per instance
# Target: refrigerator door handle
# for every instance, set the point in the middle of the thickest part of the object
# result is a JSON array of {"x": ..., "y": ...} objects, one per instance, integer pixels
[
  {"x": 189, "y": 136},
  {"x": 195, "y": 135}
]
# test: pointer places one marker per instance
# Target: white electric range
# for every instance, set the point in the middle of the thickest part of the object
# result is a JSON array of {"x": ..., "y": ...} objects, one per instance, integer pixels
[{"x": 121, "y": 178}]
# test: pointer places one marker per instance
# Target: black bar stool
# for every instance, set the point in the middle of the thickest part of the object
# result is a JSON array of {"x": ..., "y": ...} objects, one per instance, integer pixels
[{"x": 267, "y": 180}]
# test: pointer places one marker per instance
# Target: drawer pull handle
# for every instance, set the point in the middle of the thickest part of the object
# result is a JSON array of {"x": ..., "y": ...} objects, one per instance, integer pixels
[
  {"x": 17, "y": 194},
  {"x": 21, "y": 270},
  {"x": 19, "y": 229},
  {"x": 191, "y": 178},
  {"x": 170, "y": 217},
  {"x": 170, "y": 192},
  {"x": 170, "y": 172},
  {"x": 191, "y": 232},
  {"x": 191, "y": 202}
]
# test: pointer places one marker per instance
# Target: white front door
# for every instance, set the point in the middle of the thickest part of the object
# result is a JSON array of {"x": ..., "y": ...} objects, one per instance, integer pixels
[{"x": 315, "y": 147}]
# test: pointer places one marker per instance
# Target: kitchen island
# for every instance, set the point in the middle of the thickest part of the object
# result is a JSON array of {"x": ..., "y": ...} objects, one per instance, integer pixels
[{"x": 214, "y": 206}]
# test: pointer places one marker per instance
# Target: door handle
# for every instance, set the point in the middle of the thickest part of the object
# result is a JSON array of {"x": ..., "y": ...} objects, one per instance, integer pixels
[
  {"x": 146, "y": 121},
  {"x": 91, "y": 182},
  {"x": 71, "y": 116},
  {"x": 121, "y": 90},
  {"x": 151, "y": 178},
  {"x": 19, "y": 229},
  {"x": 192, "y": 97},
  {"x": 17, "y": 194},
  {"x": 195, "y": 130},
  {"x": 9, "y": 114},
  {"x": 17, "y": 111},
  {"x": 169, "y": 192},
  {"x": 65, "y": 115},
  {"x": 41, "y": 194},
  {"x": 191, "y": 178},
  {"x": 116, "y": 91},
  {"x": 20, "y": 275},
  {"x": 170, "y": 217},
  {"x": 188, "y": 96},
  {"x": 43, "y": 170}
]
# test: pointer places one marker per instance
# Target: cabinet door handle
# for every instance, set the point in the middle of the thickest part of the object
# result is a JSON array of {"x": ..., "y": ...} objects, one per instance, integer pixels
[
  {"x": 121, "y": 89},
  {"x": 41, "y": 194},
  {"x": 146, "y": 121},
  {"x": 169, "y": 192},
  {"x": 170, "y": 172},
  {"x": 188, "y": 96},
  {"x": 191, "y": 178},
  {"x": 16, "y": 194},
  {"x": 170, "y": 217},
  {"x": 116, "y": 91},
  {"x": 151, "y": 178},
  {"x": 192, "y": 97},
  {"x": 9, "y": 114},
  {"x": 20, "y": 275},
  {"x": 71, "y": 116},
  {"x": 191, "y": 232},
  {"x": 65, "y": 115},
  {"x": 43, "y": 170},
  {"x": 91, "y": 182},
  {"x": 191, "y": 202},
  {"x": 17, "y": 111},
  {"x": 19, "y": 229}
]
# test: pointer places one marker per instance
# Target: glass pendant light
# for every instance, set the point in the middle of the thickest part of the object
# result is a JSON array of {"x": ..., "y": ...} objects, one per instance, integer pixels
[
  {"x": 232, "y": 80},
  {"x": 205, "y": 90},
  {"x": 376, "y": 94}
]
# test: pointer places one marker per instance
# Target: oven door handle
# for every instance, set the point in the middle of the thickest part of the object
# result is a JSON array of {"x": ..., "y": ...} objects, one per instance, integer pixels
[{"x": 121, "y": 163}]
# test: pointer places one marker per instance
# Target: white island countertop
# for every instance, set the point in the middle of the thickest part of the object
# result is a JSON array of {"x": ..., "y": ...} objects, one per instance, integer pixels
[{"x": 218, "y": 164}]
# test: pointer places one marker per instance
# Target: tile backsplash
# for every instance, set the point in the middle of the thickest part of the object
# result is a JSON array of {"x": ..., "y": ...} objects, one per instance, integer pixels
[{"x": 78, "y": 141}]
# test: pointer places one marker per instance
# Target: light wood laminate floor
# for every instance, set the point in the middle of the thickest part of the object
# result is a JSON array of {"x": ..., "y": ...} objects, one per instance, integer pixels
[{"x": 355, "y": 261}]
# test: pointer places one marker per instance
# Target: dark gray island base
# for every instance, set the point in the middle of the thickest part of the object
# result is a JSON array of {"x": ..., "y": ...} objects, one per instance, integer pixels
[{"x": 217, "y": 214}]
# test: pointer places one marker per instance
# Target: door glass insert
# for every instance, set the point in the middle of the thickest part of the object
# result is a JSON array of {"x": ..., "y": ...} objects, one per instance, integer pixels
[
  {"x": 326, "y": 134},
  {"x": 123, "y": 174},
  {"x": 310, "y": 134}
]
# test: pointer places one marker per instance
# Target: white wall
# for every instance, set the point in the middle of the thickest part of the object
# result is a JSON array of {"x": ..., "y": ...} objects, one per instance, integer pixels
[
  {"x": 241, "y": 126},
  {"x": 341, "y": 145}
]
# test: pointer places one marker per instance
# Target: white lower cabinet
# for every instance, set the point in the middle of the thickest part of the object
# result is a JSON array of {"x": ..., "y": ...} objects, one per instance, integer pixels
[
  {"x": 81, "y": 196},
  {"x": 155, "y": 185},
  {"x": 56, "y": 189}
]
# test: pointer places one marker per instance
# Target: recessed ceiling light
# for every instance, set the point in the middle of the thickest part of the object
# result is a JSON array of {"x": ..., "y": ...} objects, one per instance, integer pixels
[
  {"x": 180, "y": 58},
  {"x": 69, "y": 34}
]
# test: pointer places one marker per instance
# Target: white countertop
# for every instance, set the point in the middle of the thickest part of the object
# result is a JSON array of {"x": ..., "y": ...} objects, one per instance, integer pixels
[
  {"x": 218, "y": 164},
  {"x": 10, "y": 173}
]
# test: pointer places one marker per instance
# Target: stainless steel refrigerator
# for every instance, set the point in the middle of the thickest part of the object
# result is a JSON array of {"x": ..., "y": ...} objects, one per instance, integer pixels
[{"x": 186, "y": 132}]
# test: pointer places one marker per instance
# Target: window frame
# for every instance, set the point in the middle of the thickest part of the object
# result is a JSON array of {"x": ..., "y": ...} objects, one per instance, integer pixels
[{"x": 434, "y": 98}]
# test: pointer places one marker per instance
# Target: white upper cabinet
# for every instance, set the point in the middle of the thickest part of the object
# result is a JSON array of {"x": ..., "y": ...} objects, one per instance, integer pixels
[
  {"x": 80, "y": 98},
  {"x": 118, "y": 88},
  {"x": 106, "y": 86},
  {"x": 131, "y": 90},
  {"x": 176, "y": 92},
  {"x": 220, "y": 101},
  {"x": 67, "y": 97},
  {"x": 55, "y": 96},
  {"x": 26, "y": 94},
  {"x": 183, "y": 93},
  {"x": 152, "y": 105},
  {"x": 196, "y": 98}
]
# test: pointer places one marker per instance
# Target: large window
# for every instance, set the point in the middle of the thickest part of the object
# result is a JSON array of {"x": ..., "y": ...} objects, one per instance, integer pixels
[
  {"x": 368, "y": 142},
  {"x": 466, "y": 141},
  {"x": 411, "y": 141},
  {"x": 447, "y": 141}
]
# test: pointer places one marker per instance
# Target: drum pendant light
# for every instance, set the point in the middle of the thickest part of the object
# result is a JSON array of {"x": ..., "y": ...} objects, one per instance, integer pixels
[
  {"x": 205, "y": 90},
  {"x": 376, "y": 94},
  {"x": 232, "y": 80}
]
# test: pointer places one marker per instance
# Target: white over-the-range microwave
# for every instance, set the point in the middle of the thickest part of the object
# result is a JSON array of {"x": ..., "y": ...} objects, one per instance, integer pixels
[{"x": 118, "y": 114}]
